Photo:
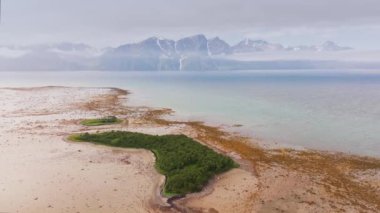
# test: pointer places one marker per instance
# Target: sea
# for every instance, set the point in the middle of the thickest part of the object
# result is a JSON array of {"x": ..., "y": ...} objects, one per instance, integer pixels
[{"x": 333, "y": 110}]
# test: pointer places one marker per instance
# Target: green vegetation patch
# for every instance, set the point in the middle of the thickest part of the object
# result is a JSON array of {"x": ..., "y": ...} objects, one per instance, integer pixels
[
  {"x": 101, "y": 121},
  {"x": 187, "y": 164}
]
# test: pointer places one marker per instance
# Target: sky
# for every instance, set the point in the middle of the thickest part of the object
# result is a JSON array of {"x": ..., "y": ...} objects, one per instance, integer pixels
[{"x": 102, "y": 23}]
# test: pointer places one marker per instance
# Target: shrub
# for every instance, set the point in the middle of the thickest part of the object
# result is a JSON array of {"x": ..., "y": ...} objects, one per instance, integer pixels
[{"x": 101, "y": 121}]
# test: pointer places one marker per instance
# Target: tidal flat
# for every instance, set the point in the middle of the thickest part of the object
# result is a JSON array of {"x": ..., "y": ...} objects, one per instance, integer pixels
[{"x": 47, "y": 173}]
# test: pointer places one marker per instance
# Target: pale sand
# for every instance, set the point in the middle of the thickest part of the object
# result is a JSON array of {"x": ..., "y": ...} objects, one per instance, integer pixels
[
  {"x": 40, "y": 172},
  {"x": 230, "y": 192},
  {"x": 45, "y": 173}
]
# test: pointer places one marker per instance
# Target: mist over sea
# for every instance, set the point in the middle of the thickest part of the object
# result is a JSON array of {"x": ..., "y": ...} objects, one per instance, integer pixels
[{"x": 323, "y": 109}]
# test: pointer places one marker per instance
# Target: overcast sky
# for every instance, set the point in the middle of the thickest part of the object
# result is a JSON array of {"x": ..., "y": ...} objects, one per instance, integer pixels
[{"x": 109, "y": 23}]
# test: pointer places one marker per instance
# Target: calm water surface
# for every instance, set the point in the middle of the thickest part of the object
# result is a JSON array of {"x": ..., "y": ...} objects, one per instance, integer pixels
[{"x": 327, "y": 110}]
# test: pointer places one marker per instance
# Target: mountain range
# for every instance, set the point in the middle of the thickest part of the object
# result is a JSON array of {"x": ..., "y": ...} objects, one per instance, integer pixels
[
  {"x": 153, "y": 54},
  {"x": 201, "y": 46}
]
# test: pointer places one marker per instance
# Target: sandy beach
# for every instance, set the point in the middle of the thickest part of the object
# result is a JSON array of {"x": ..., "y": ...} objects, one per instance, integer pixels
[{"x": 44, "y": 172}]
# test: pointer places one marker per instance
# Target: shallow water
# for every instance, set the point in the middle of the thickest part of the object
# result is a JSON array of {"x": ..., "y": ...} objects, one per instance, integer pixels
[{"x": 329, "y": 110}]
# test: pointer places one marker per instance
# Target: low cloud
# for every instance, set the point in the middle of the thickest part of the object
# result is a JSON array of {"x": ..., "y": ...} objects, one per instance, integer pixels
[{"x": 104, "y": 22}]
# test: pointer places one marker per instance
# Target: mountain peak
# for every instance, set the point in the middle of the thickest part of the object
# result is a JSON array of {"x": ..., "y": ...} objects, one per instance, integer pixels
[
  {"x": 197, "y": 36},
  {"x": 196, "y": 44},
  {"x": 216, "y": 38},
  {"x": 217, "y": 46},
  {"x": 249, "y": 45},
  {"x": 331, "y": 46}
]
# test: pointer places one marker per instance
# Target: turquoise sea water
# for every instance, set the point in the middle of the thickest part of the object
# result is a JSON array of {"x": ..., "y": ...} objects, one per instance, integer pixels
[{"x": 328, "y": 110}]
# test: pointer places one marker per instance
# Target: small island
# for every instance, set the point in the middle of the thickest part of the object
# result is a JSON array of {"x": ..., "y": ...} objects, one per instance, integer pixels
[
  {"x": 187, "y": 164},
  {"x": 101, "y": 121}
]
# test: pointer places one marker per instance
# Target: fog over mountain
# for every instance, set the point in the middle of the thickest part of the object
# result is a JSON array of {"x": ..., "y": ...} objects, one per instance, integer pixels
[
  {"x": 190, "y": 53},
  {"x": 109, "y": 23}
]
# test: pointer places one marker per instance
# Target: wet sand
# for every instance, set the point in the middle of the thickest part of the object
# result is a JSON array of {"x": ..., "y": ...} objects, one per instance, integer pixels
[{"x": 46, "y": 173}]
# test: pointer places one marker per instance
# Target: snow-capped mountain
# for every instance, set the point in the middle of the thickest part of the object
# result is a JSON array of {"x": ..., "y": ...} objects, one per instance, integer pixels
[
  {"x": 64, "y": 48},
  {"x": 199, "y": 45},
  {"x": 159, "y": 54},
  {"x": 167, "y": 46},
  {"x": 327, "y": 46},
  {"x": 190, "y": 53},
  {"x": 217, "y": 46},
  {"x": 145, "y": 48},
  {"x": 73, "y": 49},
  {"x": 331, "y": 46},
  {"x": 193, "y": 45},
  {"x": 249, "y": 45}
]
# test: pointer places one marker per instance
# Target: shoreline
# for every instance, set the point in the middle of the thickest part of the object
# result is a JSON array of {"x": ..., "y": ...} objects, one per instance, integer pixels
[
  {"x": 268, "y": 180},
  {"x": 284, "y": 154},
  {"x": 246, "y": 130}
]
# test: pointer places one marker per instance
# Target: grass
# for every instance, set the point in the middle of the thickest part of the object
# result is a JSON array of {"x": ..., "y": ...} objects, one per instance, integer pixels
[
  {"x": 101, "y": 121},
  {"x": 187, "y": 164}
]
